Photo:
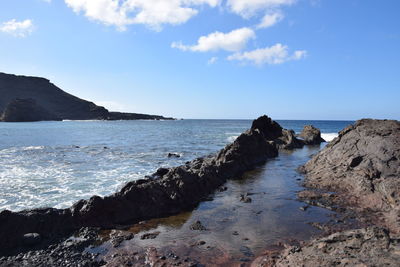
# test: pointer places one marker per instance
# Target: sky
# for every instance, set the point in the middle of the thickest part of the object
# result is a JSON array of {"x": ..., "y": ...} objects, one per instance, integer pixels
[{"x": 213, "y": 59}]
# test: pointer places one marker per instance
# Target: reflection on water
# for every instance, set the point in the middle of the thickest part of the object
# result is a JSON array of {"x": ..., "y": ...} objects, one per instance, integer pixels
[{"x": 236, "y": 229}]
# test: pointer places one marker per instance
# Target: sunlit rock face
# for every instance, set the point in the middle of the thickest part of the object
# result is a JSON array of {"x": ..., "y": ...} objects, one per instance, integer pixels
[{"x": 363, "y": 162}]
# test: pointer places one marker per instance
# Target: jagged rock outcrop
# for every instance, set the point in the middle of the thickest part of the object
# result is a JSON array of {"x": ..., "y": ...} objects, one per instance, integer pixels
[
  {"x": 166, "y": 192},
  {"x": 26, "y": 110},
  {"x": 272, "y": 131},
  {"x": 362, "y": 163},
  {"x": 55, "y": 101},
  {"x": 362, "y": 247},
  {"x": 311, "y": 135}
]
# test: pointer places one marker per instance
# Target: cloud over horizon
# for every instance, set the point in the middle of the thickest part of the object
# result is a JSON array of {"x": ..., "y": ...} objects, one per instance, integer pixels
[
  {"x": 153, "y": 14},
  {"x": 249, "y": 8},
  {"x": 232, "y": 41},
  {"x": 17, "y": 28},
  {"x": 270, "y": 19},
  {"x": 276, "y": 54},
  {"x": 157, "y": 13}
]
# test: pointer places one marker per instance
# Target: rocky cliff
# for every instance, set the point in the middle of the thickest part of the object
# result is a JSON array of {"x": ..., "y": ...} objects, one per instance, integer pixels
[{"x": 18, "y": 93}]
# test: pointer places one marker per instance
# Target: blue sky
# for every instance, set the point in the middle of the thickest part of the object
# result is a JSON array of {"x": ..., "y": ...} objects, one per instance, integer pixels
[{"x": 234, "y": 59}]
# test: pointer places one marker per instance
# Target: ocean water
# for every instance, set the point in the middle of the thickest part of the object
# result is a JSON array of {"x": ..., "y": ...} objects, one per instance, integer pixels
[{"x": 54, "y": 164}]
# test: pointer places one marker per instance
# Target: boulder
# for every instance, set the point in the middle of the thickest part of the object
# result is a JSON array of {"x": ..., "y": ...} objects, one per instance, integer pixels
[
  {"x": 311, "y": 135},
  {"x": 288, "y": 140},
  {"x": 269, "y": 128},
  {"x": 272, "y": 131}
]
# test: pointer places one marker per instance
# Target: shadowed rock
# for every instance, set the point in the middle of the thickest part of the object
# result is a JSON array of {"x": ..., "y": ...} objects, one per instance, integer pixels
[
  {"x": 169, "y": 192},
  {"x": 311, "y": 135},
  {"x": 26, "y": 110},
  {"x": 272, "y": 131}
]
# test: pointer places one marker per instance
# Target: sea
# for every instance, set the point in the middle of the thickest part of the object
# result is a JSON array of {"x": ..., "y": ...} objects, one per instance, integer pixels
[{"x": 54, "y": 164}]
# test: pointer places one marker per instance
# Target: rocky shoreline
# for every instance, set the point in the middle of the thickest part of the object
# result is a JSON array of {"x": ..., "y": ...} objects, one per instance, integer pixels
[
  {"x": 167, "y": 192},
  {"x": 38, "y": 237},
  {"x": 359, "y": 171}
]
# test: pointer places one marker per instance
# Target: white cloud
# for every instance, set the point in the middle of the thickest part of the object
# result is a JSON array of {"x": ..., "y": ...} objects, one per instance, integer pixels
[
  {"x": 17, "y": 28},
  {"x": 232, "y": 41},
  {"x": 276, "y": 54},
  {"x": 270, "y": 19},
  {"x": 248, "y": 8},
  {"x": 154, "y": 13},
  {"x": 212, "y": 60}
]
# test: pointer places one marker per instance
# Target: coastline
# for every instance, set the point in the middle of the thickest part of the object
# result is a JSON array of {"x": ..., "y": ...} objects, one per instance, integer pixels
[{"x": 246, "y": 145}]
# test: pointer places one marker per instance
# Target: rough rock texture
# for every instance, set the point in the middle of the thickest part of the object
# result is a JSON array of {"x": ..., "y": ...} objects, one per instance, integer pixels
[
  {"x": 362, "y": 247},
  {"x": 69, "y": 252},
  {"x": 166, "y": 192},
  {"x": 363, "y": 164},
  {"x": 272, "y": 131},
  {"x": 26, "y": 110},
  {"x": 311, "y": 135},
  {"x": 55, "y": 101}
]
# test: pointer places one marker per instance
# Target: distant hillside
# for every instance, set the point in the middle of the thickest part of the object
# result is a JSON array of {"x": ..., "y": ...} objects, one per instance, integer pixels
[{"x": 24, "y": 98}]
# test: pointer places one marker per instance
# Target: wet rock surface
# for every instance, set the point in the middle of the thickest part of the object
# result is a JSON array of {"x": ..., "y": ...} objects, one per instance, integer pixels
[
  {"x": 170, "y": 191},
  {"x": 66, "y": 252},
  {"x": 362, "y": 165},
  {"x": 361, "y": 247},
  {"x": 358, "y": 174}
]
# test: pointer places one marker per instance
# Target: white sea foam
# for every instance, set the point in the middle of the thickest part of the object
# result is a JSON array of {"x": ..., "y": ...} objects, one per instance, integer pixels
[
  {"x": 33, "y": 148},
  {"x": 329, "y": 136},
  {"x": 232, "y": 138}
]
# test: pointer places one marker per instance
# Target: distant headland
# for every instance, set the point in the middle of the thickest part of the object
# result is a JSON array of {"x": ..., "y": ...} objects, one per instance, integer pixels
[{"x": 27, "y": 99}]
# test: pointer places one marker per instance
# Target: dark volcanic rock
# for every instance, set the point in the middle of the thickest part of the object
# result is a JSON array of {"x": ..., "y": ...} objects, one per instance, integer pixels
[
  {"x": 283, "y": 138},
  {"x": 169, "y": 192},
  {"x": 362, "y": 247},
  {"x": 68, "y": 252},
  {"x": 173, "y": 155},
  {"x": 26, "y": 110},
  {"x": 311, "y": 135},
  {"x": 32, "y": 239},
  {"x": 288, "y": 140},
  {"x": 152, "y": 235},
  {"x": 197, "y": 226},
  {"x": 245, "y": 198},
  {"x": 362, "y": 163},
  {"x": 52, "y": 103},
  {"x": 269, "y": 128}
]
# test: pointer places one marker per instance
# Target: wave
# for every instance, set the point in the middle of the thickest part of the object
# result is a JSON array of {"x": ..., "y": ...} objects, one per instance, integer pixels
[
  {"x": 329, "y": 136},
  {"x": 27, "y": 148},
  {"x": 232, "y": 138}
]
